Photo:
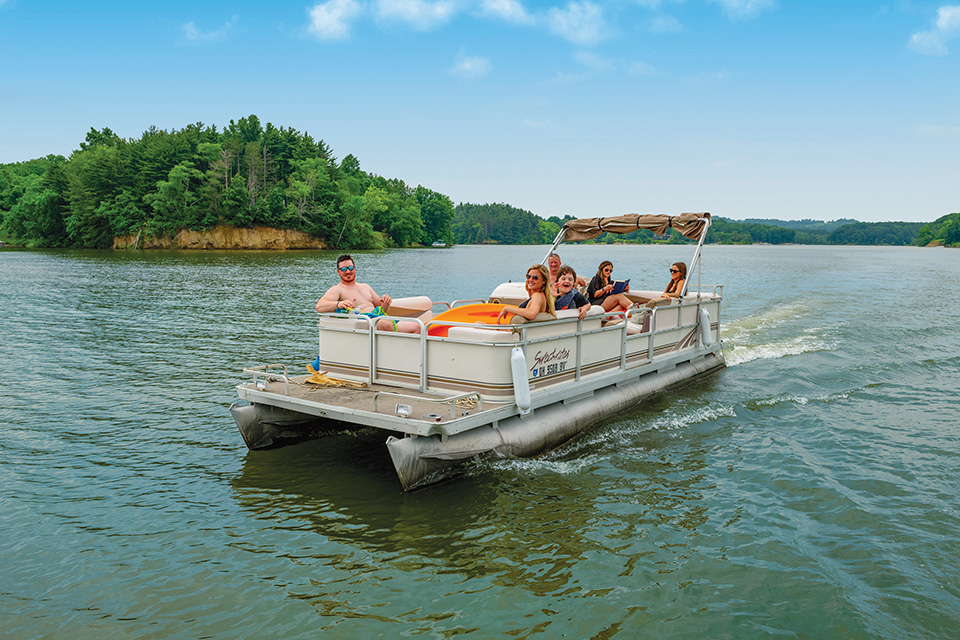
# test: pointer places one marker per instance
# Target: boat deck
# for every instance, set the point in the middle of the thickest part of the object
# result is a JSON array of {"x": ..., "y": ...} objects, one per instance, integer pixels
[{"x": 384, "y": 406}]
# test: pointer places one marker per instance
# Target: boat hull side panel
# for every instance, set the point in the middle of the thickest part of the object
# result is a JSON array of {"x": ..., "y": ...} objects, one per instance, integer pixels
[{"x": 422, "y": 461}]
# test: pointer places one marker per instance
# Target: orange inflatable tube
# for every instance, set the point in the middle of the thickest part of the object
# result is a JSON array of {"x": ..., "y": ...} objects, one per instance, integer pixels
[{"x": 483, "y": 313}]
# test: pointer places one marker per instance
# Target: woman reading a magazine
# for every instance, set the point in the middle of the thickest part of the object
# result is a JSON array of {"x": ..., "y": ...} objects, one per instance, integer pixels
[{"x": 600, "y": 291}]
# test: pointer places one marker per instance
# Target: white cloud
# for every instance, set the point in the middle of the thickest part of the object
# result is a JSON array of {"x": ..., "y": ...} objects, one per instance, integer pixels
[
  {"x": 665, "y": 24},
  {"x": 937, "y": 131},
  {"x": 566, "y": 79},
  {"x": 743, "y": 9},
  {"x": 419, "y": 14},
  {"x": 579, "y": 22},
  {"x": 641, "y": 69},
  {"x": 332, "y": 20},
  {"x": 193, "y": 34},
  {"x": 934, "y": 41},
  {"x": 593, "y": 61},
  {"x": 509, "y": 10},
  {"x": 706, "y": 80},
  {"x": 470, "y": 68}
]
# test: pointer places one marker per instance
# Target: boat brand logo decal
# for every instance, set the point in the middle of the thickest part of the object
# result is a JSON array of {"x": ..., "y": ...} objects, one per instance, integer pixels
[{"x": 548, "y": 363}]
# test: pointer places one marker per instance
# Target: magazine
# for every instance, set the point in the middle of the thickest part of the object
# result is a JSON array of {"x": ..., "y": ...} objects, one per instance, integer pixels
[{"x": 619, "y": 286}]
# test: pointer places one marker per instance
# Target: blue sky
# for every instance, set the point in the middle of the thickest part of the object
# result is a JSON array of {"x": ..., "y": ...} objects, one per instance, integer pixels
[{"x": 745, "y": 108}]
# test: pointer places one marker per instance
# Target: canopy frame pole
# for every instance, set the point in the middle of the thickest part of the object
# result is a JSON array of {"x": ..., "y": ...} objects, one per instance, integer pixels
[
  {"x": 556, "y": 243},
  {"x": 695, "y": 263}
]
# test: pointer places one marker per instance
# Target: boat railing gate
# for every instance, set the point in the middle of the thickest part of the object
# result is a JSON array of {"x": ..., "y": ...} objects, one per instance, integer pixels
[
  {"x": 521, "y": 334},
  {"x": 449, "y": 399},
  {"x": 261, "y": 376}
]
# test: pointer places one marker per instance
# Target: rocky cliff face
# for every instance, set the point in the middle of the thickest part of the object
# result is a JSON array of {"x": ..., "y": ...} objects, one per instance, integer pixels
[{"x": 224, "y": 237}]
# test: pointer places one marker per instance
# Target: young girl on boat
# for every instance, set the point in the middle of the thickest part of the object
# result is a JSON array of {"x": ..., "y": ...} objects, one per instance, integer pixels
[{"x": 678, "y": 275}]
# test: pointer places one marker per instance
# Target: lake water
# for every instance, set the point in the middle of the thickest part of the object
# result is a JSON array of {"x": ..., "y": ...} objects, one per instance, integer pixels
[{"x": 810, "y": 490}]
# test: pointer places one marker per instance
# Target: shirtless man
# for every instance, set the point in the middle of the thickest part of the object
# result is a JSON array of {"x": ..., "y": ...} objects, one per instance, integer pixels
[{"x": 350, "y": 296}]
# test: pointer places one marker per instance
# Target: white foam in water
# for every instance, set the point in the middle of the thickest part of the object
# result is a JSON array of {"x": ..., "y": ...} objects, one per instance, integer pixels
[
  {"x": 775, "y": 400},
  {"x": 801, "y": 400},
  {"x": 624, "y": 433},
  {"x": 778, "y": 315},
  {"x": 747, "y": 339},
  {"x": 667, "y": 422},
  {"x": 546, "y": 465},
  {"x": 807, "y": 342}
]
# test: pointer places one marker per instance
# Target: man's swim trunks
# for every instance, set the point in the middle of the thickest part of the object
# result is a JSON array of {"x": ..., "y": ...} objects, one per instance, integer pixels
[{"x": 376, "y": 313}]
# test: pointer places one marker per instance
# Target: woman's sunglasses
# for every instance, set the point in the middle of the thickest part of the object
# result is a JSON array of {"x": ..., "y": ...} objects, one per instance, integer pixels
[
  {"x": 674, "y": 270},
  {"x": 345, "y": 269},
  {"x": 532, "y": 277}
]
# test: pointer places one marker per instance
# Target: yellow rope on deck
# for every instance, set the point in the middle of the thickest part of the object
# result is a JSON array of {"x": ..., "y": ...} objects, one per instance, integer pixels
[
  {"x": 466, "y": 403},
  {"x": 323, "y": 380}
]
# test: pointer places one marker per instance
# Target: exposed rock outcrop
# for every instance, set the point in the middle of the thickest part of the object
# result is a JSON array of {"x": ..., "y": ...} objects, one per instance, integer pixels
[{"x": 224, "y": 237}]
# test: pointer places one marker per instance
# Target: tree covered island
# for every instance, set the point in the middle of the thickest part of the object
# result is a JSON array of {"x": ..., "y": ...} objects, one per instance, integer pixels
[{"x": 116, "y": 192}]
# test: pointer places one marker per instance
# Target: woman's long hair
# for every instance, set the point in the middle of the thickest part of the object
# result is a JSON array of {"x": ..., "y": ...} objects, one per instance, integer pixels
[
  {"x": 672, "y": 285},
  {"x": 545, "y": 286},
  {"x": 605, "y": 263}
]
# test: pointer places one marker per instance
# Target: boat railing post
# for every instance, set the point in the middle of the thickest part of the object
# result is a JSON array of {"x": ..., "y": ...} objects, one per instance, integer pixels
[
  {"x": 718, "y": 296},
  {"x": 423, "y": 355},
  {"x": 653, "y": 333},
  {"x": 699, "y": 311},
  {"x": 372, "y": 369},
  {"x": 623, "y": 340},
  {"x": 579, "y": 347}
]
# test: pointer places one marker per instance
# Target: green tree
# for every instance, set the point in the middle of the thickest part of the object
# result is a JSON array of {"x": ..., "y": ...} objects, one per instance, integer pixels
[{"x": 174, "y": 202}]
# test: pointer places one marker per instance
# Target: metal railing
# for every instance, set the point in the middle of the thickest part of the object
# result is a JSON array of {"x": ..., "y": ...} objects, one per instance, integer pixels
[{"x": 520, "y": 332}]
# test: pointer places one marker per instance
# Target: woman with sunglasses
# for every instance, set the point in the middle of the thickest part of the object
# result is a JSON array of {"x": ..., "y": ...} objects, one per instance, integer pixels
[
  {"x": 540, "y": 300},
  {"x": 678, "y": 275},
  {"x": 600, "y": 287}
]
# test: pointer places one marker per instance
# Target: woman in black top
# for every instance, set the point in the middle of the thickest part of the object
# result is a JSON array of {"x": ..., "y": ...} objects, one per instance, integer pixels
[{"x": 598, "y": 291}]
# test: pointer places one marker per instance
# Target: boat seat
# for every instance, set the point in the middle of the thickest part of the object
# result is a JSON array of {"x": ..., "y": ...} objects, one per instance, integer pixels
[{"x": 410, "y": 307}]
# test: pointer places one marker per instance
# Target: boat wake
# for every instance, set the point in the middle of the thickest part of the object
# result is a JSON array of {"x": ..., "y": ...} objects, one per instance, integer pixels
[
  {"x": 800, "y": 400},
  {"x": 596, "y": 446},
  {"x": 748, "y": 339}
]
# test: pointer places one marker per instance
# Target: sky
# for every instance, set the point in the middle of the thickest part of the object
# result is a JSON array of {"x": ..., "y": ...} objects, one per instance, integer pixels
[{"x": 744, "y": 108}]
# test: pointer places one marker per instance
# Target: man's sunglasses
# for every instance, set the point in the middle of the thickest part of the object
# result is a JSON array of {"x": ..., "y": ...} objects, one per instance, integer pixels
[{"x": 345, "y": 269}]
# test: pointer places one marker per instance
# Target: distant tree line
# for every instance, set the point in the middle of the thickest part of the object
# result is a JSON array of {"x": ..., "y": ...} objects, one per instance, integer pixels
[
  {"x": 504, "y": 224},
  {"x": 723, "y": 231},
  {"x": 199, "y": 177},
  {"x": 248, "y": 174}
]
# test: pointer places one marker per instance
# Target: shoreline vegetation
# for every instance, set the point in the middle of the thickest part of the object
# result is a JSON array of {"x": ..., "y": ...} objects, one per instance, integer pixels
[{"x": 250, "y": 186}]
